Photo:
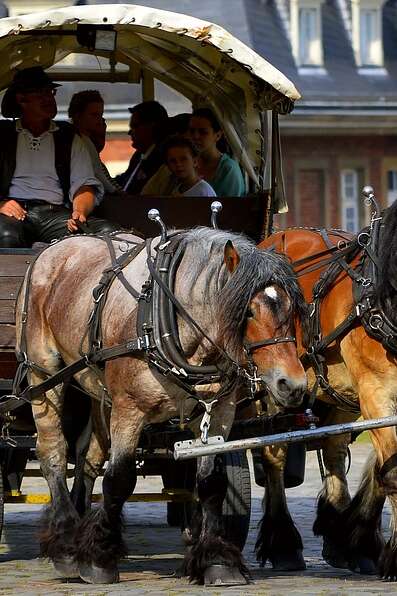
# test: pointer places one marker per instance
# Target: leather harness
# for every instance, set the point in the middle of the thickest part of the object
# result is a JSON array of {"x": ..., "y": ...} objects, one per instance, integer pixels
[
  {"x": 157, "y": 339},
  {"x": 366, "y": 310}
]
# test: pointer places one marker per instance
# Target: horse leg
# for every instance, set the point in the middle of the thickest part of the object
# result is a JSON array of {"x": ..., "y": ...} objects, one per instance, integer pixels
[
  {"x": 362, "y": 537},
  {"x": 91, "y": 453},
  {"x": 334, "y": 496},
  {"x": 100, "y": 544},
  {"x": 385, "y": 444},
  {"x": 210, "y": 559},
  {"x": 60, "y": 520},
  {"x": 278, "y": 540}
]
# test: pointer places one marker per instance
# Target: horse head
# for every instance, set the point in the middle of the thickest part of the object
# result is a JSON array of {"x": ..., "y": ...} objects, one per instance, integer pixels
[{"x": 269, "y": 325}]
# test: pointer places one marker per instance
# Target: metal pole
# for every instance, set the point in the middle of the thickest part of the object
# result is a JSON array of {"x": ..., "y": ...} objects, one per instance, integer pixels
[{"x": 191, "y": 449}]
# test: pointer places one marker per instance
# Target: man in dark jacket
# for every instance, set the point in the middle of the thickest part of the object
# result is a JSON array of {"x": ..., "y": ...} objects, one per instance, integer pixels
[
  {"x": 148, "y": 125},
  {"x": 47, "y": 184}
]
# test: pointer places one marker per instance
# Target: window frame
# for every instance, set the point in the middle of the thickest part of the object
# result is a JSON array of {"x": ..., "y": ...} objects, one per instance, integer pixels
[{"x": 349, "y": 202}]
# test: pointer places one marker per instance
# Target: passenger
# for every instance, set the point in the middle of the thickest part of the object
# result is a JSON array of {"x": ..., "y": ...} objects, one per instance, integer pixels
[
  {"x": 86, "y": 113},
  {"x": 164, "y": 183},
  {"x": 148, "y": 126},
  {"x": 218, "y": 169},
  {"x": 47, "y": 182},
  {"x": 181, "y": 157}
]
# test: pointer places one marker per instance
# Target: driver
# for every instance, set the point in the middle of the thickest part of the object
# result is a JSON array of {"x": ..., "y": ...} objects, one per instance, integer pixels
[{"x": 47, "y": 183}]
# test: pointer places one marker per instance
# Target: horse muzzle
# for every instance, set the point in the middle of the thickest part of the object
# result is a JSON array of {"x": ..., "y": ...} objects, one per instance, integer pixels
[{"x": 286, "y": 391}]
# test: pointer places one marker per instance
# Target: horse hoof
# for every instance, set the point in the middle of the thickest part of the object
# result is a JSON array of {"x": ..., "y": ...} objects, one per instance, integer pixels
[
  {"x": 92, "y": 574},
  {"x": 221, "y": 575},
  {"x": 289, "y": 562},
  {"x": 334, "y": 558},
  {"x": 364, "y": 566},
  {"x": 66, "y": 567}
]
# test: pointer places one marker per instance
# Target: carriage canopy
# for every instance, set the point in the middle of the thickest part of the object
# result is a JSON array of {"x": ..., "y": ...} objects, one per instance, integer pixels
[{"x": 198, "y": 59}]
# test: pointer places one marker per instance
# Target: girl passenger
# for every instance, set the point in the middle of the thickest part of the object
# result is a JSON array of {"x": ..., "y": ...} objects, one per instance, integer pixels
[{"x": 218, "y": 169}]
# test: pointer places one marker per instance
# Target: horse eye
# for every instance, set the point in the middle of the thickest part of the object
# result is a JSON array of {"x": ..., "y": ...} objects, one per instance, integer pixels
[{"x": 250, "y": 314}]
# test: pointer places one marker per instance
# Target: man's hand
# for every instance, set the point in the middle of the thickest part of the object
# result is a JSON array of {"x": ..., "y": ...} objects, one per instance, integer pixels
[
  {"x": 83, "y": 204},
  {"x": 12, "y": 208},
  {"x": 73, "y": 221}
]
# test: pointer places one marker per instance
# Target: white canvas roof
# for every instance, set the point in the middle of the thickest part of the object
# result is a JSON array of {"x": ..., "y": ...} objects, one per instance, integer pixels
[{"x": 200, "y": 60}]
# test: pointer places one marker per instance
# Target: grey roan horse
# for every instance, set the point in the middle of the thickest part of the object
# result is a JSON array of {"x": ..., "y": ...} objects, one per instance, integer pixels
[{"x": 237, "y": 294}]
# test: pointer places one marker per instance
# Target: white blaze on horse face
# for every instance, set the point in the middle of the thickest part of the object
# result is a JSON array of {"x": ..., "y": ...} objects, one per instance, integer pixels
[{"x": 271, "y": 292}]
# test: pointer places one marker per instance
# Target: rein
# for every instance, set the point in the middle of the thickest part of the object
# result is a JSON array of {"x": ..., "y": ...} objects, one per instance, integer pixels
[{"x": 157, "y": 338}]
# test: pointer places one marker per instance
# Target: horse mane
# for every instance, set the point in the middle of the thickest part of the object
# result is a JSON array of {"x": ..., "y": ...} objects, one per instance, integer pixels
[
  {"x": 386, "y": 288},
  {"x": 257, "y": 269}
]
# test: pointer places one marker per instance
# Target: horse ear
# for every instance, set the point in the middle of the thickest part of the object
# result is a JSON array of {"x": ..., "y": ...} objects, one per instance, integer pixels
[{"x": 231, "y": 257}]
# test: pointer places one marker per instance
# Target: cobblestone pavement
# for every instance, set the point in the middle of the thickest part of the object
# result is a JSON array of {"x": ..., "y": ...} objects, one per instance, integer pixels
[{"x": 155, "y": 550}]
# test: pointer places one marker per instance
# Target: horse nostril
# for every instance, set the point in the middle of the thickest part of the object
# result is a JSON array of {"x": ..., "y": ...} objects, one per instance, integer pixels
[{"x": 283, "y": 386}]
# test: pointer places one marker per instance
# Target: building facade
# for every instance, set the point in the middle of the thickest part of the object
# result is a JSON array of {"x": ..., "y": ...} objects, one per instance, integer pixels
[{"x": 342, "y": 56}]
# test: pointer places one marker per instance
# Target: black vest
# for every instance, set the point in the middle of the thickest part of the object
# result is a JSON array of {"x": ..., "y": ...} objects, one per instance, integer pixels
[{"x": 63, "y": 139}]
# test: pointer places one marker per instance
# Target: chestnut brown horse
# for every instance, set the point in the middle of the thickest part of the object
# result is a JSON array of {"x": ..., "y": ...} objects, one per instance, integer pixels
[
  {"x": 364, "y": 373},
  {"x": 227, "y": 286}
]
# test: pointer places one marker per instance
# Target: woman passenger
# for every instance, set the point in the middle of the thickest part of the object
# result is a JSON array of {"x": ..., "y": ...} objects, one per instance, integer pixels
[{"x": 218, "y": 169}]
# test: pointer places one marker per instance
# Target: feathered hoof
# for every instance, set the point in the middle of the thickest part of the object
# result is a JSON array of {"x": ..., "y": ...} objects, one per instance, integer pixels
[
  {"x": 333, "y": 556},
  {"x": 363, "y": 565},
  {"x": 66, "y": 567},
  {"x": 221, "y": 575},
  {"x": 293, "y": 561},
  {"x": 388, "y": 563},
  {"x": 92, "y": 574}
]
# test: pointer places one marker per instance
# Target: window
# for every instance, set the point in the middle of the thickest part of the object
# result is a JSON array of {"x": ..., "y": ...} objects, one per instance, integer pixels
[
  {"x": 391, "y": 186},
  {"x": 369, "y": 36},
  {"x": 306, "y": 34},
  {"x": 349, "y": 196}
]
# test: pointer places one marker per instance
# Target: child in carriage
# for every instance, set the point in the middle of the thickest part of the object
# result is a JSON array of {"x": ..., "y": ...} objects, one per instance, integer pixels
[{"x": 181, "y": 157}]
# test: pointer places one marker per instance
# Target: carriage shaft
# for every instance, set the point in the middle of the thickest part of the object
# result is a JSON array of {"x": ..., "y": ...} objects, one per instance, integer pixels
[{"x": 192, "y": 449}]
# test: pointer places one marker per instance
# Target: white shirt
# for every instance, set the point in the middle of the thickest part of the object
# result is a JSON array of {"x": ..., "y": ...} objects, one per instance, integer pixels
[
  {"x": 35, "y": 176},
  {"x": 200, "y": 189},
  {"x": 100, "y": 170}
]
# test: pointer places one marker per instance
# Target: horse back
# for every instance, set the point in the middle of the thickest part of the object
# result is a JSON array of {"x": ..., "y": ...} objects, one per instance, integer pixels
[
  {"x": 60, "y": 289},
  {"x": 298, "y": 244}
]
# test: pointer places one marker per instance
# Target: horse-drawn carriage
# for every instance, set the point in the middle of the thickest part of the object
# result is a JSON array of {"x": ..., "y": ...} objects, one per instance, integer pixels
[
  {"x": 254, "y": 344},
  {"x": 209, "y": 67}
]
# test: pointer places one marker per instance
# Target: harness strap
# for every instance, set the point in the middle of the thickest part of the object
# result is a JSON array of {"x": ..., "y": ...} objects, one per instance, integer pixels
[
  {"x": 100, "y": 293},
  {"x": 255, "y": 345},
  {"x": 340, "y": 254},
  {"x": 183, "y": 313}
]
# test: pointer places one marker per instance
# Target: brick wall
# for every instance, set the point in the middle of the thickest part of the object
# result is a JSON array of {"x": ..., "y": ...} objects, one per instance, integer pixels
[{"x": 312, "y": 170}]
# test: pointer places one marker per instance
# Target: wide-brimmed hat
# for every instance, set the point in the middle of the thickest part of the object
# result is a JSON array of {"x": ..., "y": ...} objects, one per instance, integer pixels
[{"x": 28, "y": 79}]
